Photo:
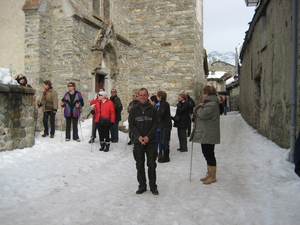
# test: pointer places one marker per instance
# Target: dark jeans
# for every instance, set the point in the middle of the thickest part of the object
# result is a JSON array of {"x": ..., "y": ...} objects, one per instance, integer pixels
[
  {"x": 158, "y": 145},
  {"x": 208, "y": 151},
  {"x": 181, "y": 132},
  {"x": 103, "y": 133},
  {"x": 74, "y": 122},
  {"x": 94, "y": 128},
  {"x": 139, "y": 152},
  {"x": 114, "y": 131},
  {"x": 52, "y": 122},
  {"x": 165, "y": 136}
]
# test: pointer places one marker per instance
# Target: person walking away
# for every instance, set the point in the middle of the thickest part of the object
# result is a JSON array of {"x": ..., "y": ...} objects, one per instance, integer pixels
[
  {"x": 191, "y": 103},
  {"x": 143, "y": 125},
  {"x": 22, "y": 80},
  {"x": 165, "y": 123},
  {"x": 72, "y": 102},
  {"x": 114, "y": 130},
  {"x": 94, "y": 124},
  {"x": 158, "y": 146},
  {"x": 225, "y": 106},
  {"x": 207, "y": 130},
  {"x": 104, "y": 118},
  {"x": 49, "y": 103},
  {"x": 131, "y": 104},
  {"x": 181, "y": 119}
]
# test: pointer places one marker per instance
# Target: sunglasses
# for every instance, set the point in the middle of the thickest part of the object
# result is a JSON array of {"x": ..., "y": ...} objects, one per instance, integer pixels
[
  {"x": 70, "y": 86},
  {"x": 100, "y": 95}
]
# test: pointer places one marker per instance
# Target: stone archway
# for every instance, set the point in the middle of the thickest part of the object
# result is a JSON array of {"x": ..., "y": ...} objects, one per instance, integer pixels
[{"x": 104, "y": 60}]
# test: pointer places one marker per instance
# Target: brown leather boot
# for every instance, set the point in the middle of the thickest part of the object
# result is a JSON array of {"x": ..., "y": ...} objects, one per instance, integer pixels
[{"x": 212, "y": 170}]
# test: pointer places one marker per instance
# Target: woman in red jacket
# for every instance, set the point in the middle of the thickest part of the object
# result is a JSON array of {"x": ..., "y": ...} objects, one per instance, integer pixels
[{"x": 104, "y": 117}]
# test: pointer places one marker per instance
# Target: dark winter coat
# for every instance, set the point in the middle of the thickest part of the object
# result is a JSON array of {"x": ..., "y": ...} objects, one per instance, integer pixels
[
  {"x": 207, "y": 129},
  {"x": 143, "y": 121},
  {"x": 297, "y": 156},
  {"x": 164, "y": 115},
  {"x": 182, "y": 111},
  {"x": 191, "y": 104},
  {"x": 118, "y": 107}
]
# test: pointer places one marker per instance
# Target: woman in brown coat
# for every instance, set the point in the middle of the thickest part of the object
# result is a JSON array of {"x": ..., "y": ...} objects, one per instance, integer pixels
[{"x": 49, "y": 103}]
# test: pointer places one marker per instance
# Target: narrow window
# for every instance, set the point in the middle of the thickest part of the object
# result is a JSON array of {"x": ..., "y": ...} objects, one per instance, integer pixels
[
  {"x": 96, "y": 7},
  {"x": 106, "y": 7}
]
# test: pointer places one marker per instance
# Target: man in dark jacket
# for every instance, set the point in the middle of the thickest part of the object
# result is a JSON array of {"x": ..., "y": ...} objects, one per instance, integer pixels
[
  {"x": 165, "y": 123},
  {"x": 191, "y": 103},
  {"x": 114, "y": 130},
  {"x": 143, "y": 125}
]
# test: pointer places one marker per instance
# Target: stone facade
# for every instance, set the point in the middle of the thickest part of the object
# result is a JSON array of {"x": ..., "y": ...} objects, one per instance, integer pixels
[
  {"x": 122, "y": 44},
  {"x": 17, "y": 121},
  {"x": 167, "y": 51},
  {"x": 265, "y": 75}
]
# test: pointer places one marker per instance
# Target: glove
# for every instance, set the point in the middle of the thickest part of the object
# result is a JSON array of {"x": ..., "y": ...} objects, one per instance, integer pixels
[{"x": 93, "y": 112}]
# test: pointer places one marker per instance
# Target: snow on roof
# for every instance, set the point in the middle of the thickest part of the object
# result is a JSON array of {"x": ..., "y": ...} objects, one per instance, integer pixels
[
  {"x": 230, "y": 80},
  {"x": 217, "y": 74}
]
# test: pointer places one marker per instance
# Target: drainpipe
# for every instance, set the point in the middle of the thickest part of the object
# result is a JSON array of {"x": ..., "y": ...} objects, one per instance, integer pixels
[{"x": 294, "y": 78}]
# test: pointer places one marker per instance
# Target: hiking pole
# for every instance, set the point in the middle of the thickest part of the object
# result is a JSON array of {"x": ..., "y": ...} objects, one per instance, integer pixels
[
  {"x": 191, "y": 162},
  {"x": 36, "y": 118},
  {"x": 80, "y": 127},
  {"x": 61, "y": 119}
]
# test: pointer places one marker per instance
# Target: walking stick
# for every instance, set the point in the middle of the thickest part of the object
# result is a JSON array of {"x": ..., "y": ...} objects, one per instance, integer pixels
[
  {"x": 80, "y": 127},
  {"x": 191, "y": 161},
  {"x": 61, "y": 118},
  {"x": 36, "y": 118}
]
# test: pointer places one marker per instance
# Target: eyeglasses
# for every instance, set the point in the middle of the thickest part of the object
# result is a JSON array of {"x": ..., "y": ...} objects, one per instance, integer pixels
[{"x": 113, "y": 92}]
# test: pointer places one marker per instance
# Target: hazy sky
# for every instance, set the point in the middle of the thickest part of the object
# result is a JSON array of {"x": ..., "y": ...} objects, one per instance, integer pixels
[{"x": 225, "y": 24}]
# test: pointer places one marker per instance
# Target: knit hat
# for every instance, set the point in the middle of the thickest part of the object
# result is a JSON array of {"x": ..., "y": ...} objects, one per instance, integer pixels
[{"x": 103, "y": 93}]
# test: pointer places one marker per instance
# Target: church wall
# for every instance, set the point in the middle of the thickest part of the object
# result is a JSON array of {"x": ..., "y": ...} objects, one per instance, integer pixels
[{"x": 167, "y": 48}]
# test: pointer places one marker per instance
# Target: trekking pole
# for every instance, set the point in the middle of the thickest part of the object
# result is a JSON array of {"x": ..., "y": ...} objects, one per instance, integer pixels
[
  {"x": 91, "y": 144},
  {"x": 80, "y": 127},
  {"x": 61, "y": 118},
  {"x": 191, "y": 162},
  {"x": 36, "y": 118}
]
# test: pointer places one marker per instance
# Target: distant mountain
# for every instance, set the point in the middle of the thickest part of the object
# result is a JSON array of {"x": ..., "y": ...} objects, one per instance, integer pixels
[{"x": 228, "y": 57}]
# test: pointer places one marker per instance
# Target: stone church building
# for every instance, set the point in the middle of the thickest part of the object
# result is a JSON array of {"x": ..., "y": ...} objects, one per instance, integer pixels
[{"x": 122, "y": 44}]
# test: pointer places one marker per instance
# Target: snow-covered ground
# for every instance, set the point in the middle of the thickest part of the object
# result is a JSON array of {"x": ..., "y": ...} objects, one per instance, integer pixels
[{"x": 57, "y": 182}]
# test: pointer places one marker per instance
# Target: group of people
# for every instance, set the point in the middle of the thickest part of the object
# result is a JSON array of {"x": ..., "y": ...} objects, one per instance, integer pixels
[
  {"x": 148, "y": 117},
  {"x": 150, "y": 125},
  {"x": 72, "y": 103}
]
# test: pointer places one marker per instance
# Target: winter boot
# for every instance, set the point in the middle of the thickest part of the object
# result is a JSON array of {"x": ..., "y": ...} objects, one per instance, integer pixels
[
  {"x": 102, "y": 144},
  {"x": 107, "y": 147},
  {"x": 207, "y": 175},
  {"x": 166, "y": 157},
  {"x": 212, "y": 170}
]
